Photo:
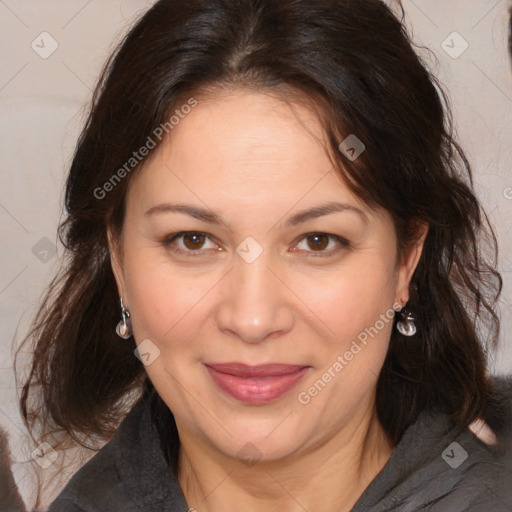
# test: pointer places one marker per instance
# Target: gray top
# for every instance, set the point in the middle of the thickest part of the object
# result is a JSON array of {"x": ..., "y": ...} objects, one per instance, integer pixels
[{"x": 433, "y": 468}]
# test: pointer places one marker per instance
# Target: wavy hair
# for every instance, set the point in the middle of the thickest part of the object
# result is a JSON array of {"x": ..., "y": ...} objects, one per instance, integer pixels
[{"x": 355, "y": 63}]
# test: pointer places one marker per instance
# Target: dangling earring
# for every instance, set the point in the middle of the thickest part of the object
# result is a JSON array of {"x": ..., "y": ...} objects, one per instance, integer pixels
[
  {"x": 406, "y": 325},
  {"x": 124, "y": 327}
]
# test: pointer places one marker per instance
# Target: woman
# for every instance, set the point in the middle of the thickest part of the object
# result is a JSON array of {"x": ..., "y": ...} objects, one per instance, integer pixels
[{"x": 275, "y": 247}]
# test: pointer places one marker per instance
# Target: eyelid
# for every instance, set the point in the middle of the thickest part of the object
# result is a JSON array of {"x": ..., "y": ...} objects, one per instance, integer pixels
[
  {"x": 341, "y": 240},
  {"x": 167, "y": 241}
]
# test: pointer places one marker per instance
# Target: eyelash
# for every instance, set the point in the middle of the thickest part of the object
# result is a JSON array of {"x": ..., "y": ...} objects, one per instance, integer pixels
[{"x": 199, "y": 252}]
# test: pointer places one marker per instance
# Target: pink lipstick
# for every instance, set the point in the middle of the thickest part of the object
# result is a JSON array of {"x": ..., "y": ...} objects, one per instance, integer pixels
[{"x": 256, "y": 384}]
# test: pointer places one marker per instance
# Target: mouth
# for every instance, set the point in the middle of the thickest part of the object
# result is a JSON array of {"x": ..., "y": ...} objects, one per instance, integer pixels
[{"x": 256, "y": 384}]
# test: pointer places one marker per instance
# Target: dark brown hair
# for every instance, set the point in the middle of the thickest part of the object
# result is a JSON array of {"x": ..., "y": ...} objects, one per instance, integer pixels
[{"x": 354, "y": 61}]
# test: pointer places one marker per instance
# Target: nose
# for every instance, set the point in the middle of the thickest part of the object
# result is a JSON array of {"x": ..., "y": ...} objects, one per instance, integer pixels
[{"x": 255, "y": 304}]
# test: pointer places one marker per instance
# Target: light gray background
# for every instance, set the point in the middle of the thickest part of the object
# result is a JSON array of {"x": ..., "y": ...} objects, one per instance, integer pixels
[{"x": 42, "y": 105}]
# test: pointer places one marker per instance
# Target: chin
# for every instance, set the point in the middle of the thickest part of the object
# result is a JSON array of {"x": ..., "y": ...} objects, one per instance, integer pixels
[{"x": 265, "y": 440}]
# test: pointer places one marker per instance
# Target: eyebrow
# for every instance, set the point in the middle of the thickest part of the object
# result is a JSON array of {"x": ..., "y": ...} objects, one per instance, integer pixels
[{"x": 298, "y": 218}]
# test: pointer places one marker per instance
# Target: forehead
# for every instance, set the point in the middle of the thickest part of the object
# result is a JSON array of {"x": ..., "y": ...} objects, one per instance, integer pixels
[
  {"x": 247, "y": 142},
  {"x": 251, "y": 160}
]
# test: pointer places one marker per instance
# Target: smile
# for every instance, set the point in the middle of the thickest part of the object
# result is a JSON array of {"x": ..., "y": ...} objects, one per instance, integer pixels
[{"x": 256, "y": 384}]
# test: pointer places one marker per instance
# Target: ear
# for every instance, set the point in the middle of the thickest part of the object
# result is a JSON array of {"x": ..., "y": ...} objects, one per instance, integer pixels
[
  {"x": 116, "y": 260},
  {"x": 408, "y": 265}
]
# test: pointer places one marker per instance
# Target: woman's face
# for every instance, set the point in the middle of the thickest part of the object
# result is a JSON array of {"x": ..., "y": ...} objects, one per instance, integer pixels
[{"x": 266, "y": 273}]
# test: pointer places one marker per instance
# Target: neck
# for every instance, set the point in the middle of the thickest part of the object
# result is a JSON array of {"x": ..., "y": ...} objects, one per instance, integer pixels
[{"x": 329, "y": 477}]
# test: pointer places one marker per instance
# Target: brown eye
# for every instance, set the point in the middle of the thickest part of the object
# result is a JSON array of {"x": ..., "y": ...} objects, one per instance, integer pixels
[
  {"x": 189, "y": 243},
  {"x": 193, "y": 241},
  {"x": 321, "y": 244},
  {"x": 317, "y": 241}
]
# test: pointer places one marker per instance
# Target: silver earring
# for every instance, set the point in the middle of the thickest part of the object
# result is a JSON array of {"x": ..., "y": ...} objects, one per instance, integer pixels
[
  {"x": 124, "y": 327},
  {"x": 406, "y": 325}
]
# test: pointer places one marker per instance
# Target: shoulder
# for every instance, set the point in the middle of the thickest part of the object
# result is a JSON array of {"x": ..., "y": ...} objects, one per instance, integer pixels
[
  {"x": 477, "y": 461},
  {"x": 438, "y": 467},
  {"x": 98, "y": 482},
  {"x": 129, "y": 473},
  {"x": 499, "y": 414},
  {"x": 472, "y": 470}
]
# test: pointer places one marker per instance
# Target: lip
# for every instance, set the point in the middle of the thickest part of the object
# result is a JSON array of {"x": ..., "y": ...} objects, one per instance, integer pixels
[{"x": 256, "y": 384}]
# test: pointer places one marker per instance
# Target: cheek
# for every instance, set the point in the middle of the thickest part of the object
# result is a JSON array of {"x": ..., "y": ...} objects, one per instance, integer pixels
[
  {"x": 168, "y": 303},
  {"x": 357, "y": 307},
  {"x": 352, "y": 299},
  {"x": 162, "y": 299}
]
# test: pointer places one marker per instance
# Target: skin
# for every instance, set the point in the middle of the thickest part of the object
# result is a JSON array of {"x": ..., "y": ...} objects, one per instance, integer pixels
[{"x": 255, "y": 161}]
